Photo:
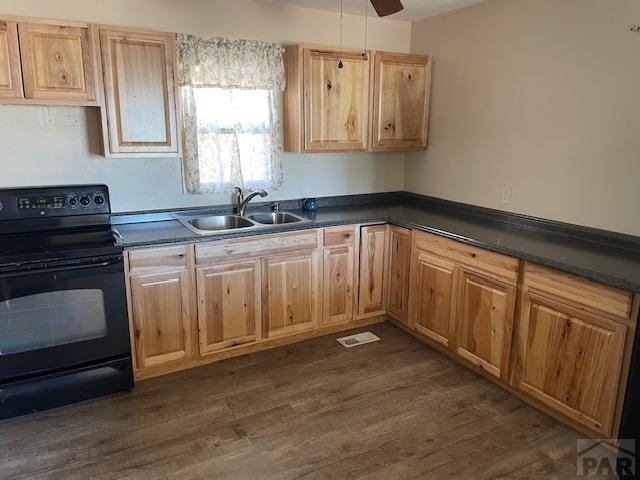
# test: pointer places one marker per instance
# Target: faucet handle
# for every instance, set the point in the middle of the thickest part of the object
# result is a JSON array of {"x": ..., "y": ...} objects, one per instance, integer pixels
[{"x": 275, "y": 206}]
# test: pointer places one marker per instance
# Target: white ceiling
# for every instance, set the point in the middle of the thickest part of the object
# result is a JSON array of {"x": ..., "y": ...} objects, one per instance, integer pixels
[{"x": 413, "y": 9}]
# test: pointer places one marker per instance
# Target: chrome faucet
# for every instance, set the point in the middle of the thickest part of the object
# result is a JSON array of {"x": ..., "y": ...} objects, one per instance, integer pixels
[{"x": 243, "y": 201}]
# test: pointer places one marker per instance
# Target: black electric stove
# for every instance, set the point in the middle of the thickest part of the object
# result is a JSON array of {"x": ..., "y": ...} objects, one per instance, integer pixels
[{"x": 64, "y": 331}]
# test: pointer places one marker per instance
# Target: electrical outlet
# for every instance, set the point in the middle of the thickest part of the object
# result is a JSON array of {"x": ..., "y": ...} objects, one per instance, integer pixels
[{"x": 506, "y": 196}]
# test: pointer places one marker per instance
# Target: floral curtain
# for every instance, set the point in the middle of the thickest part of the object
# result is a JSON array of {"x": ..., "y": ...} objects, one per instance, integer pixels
[{"x": 230, "y": 94}]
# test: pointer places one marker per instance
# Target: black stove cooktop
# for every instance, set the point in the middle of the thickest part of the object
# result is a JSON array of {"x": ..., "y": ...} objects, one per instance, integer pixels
[
  {"x": 51, "y": 224},
  {"x": 19, "y": 249}
]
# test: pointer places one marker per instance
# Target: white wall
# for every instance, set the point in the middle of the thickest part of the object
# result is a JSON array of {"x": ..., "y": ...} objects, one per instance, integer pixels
[
  {"x": 539, "y": 95},
  {"x": 38, "y": 150}
]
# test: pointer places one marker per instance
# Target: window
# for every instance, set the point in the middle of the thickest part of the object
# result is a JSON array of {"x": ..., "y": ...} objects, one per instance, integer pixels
[
  {"x": 234, "y": 136},
  {"x": 231, "y": 123}
]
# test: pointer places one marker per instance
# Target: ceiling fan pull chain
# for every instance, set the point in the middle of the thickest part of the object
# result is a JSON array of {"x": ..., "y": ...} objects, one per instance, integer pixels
[
  {"x": 365, "y": 55},
  {"x": 340, "y": 64}
]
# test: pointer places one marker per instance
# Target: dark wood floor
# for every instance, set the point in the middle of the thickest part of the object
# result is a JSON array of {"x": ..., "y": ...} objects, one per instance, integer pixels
[{"x": 395, "y": 409}]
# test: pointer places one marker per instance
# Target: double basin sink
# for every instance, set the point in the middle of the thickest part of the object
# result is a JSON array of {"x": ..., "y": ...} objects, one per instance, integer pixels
[{"x": 224, "y": 223}]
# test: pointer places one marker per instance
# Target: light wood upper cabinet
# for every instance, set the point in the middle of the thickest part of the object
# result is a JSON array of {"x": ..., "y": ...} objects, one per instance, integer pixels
[
  {"x": 162, "y": 305},
  {"x": 399, "y": 272},
  {"x": 140, "y": 100},
  {"x": 433, "y": 296},
  {"x": 326, "y": 107},
  {"x": 10, "y": 70},
  {"x": 484, "y": 322},
  {"x": 339, "y": 277},
  {"x": 58, "y": 62},
  {"x": 229, "y": 304},
  {"x": 374, "y": 260},
  {"x": 336, "y": 103},
  {"x": 375, "y": 104},
  {"x": 290, "y": 293},
  {"x": 401, "y": 88}
]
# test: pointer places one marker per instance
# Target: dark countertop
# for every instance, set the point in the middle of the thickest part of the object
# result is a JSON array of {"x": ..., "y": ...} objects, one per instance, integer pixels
[{"x": 581, "y": 255}]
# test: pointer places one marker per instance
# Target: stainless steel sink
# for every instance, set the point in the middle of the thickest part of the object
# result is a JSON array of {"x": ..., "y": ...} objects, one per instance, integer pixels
[
  {"x": 216, "y": 223},
  {"x": 275, "y": 218}
]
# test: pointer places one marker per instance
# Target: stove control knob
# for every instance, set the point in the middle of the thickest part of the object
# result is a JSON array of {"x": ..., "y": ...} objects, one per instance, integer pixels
[
  {"x": 72, "y": 201},
  {"x": 98, "y": 199},
  {"x": 85, "y": 201}
]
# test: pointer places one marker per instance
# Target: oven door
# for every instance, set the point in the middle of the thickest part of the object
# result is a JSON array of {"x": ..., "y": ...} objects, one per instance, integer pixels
[{"x": 62, "y": 316}]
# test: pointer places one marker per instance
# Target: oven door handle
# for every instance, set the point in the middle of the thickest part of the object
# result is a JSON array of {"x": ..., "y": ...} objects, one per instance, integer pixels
[{"x": 63, "y": 267}]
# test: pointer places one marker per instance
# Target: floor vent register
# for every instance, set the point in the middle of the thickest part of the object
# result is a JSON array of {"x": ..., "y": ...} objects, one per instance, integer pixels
[{"x": 358, "y": 339}]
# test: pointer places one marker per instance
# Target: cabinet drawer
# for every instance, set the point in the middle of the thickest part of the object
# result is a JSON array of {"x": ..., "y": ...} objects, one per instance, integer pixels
[
  {"x": 155, "y": 260},
  {"x": 578, "y": 291},
  {"x": 254, "y": 247},
  {"x": 339, "y": 236},
  {"x": 501, "y": 266}
]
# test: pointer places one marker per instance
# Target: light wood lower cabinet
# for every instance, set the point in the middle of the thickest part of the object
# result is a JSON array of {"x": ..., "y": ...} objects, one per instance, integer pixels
[
  {"x": 571, "y": 361},
  {"x": 339, "y": 276},
  {"x": 433, "y": 296},
  {"x": 374, "y": 256},
  {"x": 571, "y": 340},
  {"x": 484, "y": 323},
  {"x": 229, "y": 305},
  {"x": 290, "y": 285},
  {"x": 162, "y": 306},
  {"x": 561, "y": 342},
  {"x": 399, "y": 272},
  {"x": 464, "y": 298}
]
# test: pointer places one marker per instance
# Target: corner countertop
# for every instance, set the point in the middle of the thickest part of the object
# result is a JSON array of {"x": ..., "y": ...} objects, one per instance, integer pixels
[{"x": 602, "y": 262}]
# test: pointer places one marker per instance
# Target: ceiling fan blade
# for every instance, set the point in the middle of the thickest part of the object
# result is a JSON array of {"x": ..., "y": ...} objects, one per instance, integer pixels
[{"x": 387, "y": 7}]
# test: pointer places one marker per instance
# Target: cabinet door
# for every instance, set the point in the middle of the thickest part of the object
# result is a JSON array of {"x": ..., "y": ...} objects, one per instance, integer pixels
[
  {"x": 58, "y": 62},
  {"x": 228, "y": 305},
  {"x": 374, "y": 248},
  {"x": 401, "y": 88},
  {"x": 139, "y": 92},
  {"x": 338, "y": 291},
  {"x": 336, "y": 101},
  {"x": 485, "y": 322},
  {"x": 10, "y": 73},
  {"x": 399, "y": 272},
  {"x": 571, "y": 360},
  {"x": 162, "y": 310},
  {"x": 290, "y": 293},
  {"x": 433, "y": 296}
]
